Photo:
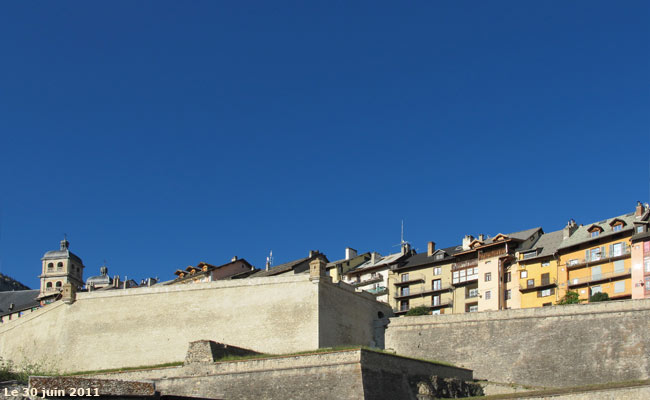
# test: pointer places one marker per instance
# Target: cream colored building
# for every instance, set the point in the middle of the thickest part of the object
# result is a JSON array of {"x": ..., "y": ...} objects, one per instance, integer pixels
[{"x": 59, "y": 267}]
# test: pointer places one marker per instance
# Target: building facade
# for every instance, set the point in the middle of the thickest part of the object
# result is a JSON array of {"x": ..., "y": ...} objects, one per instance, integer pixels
[{"x": 59, "y": 267}]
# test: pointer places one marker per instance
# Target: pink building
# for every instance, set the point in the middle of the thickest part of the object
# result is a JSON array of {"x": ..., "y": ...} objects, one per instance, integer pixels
[{"x": 641, "y": 254}]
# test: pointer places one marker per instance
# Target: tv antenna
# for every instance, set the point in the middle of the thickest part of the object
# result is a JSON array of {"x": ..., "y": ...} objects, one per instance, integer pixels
[{"x": 269, "y": 260}]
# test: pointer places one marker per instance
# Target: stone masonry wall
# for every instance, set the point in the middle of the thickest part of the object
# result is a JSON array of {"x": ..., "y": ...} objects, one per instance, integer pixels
[
  {"x": 552, "y": 346},
  {"x": 154, "y": 325}
]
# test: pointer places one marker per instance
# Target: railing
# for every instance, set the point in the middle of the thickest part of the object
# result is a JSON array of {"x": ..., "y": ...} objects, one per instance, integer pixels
[
  {"x": 537, "y": 284},
  {"x": 379, "y": 290},
  {"x": 598, "y": 277},
  {"x": 598, "y": 259},
  {"x": 374, "y": 278},
  {"x": 423, "y": 291},
  {"x": 463, "y": 264},
  {"x": 404, "y": 310},
  {"x": 412, "y": 278}
]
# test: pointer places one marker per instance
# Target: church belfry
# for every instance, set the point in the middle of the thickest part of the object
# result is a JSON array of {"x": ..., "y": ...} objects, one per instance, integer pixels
[{"x": 59, "y": 267}]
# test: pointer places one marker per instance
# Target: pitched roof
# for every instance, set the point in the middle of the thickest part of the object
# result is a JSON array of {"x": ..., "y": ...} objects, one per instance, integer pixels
[
  {"x": 521, "y": 235},
  {"x": 379, "y": 262},
  {"x": 21, "y": 299},
  {"x": 546, "y": 245},
  {"x": 286, "y": 267},
  {"x": 582, "y": 235},
  {"x": 423, "y": 258}
]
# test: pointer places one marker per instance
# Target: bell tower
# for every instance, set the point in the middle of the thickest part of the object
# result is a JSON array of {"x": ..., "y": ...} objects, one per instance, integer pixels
[{"x": 59, "y": 267}]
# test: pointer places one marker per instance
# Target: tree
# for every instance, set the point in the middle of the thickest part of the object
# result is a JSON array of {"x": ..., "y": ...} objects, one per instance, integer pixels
[
  {"x": 570, "y": 297},
  {"x": 600, "y": 296},
  {"x": 420, "y": 310}
]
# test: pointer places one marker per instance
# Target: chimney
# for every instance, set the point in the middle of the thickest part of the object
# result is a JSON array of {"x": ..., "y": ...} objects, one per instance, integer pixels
[
  {"x": 481, "y": 237},
  {"x": 233, "y": 259},
  {"x": 11, "y": 306},
  {"x": 406, "y": 248},
  {"x": 373, "y": 258},
  {"x": 639, "y": 209},
  {"x": 431, "y": 248},
  {"x": 350, "y": 253},
  {"x": 317, "y": 269},
  {"x": 568, "y": 230},
  {"x": 466, "y": 241},
  {"x": 268, "y": 264},
  {"x": 312, "y": 253}
]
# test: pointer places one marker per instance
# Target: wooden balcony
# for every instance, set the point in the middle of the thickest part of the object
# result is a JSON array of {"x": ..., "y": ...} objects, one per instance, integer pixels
[
  {"x": 538, "y": 284},
  {"x": 599, "y": 278}
]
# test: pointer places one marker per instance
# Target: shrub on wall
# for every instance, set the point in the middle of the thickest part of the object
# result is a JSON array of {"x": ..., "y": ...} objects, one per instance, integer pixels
[
  {"x": 599, "y": 297},
  {"x": 571, "y": 297},
  {"x": 420, "y": 310}
]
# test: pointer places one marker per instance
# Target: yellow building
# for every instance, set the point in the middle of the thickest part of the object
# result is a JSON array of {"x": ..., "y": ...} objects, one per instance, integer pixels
[
  {"x": 537, "y": 272},
  {"x": 423, "y": 280},
  {"x": 596, "y": 258}
]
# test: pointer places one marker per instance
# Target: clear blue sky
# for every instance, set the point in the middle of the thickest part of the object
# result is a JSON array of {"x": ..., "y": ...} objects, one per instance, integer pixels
[{"x": 161, "y": 134}]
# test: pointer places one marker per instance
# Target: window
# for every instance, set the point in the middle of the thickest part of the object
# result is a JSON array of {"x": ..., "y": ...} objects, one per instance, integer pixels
[
  {"x": 49, "y": 285},
  {"x": 524, "y": 274},
  {"x": 617, "y": 228},
  {"x": 595, "y": 254},
  {"x": 507, "y": 294},
  {"x": 595, "y": 234},
  {"x": 639, "y": 229},
  {"x": 435, "y": 300},
  {"x": 546, "y": 292},
  {"x": 439, "y": 256},
  {"x": 405, "y": 277},
  {"x": 546, "y": 264},
  {"x": 508, "y": 277},
  {"x": 58, "y": 284},
  {"x": 404, "y": 305},
  {"x": 404, "y": 291},
  {"x": 59, "y": 266},
  {"x": 616, "y": 250},
  {"x": 596, "y": 273},
  {"x": 471, "y": 293},
  {"x": 596, "y": 289},
  {"x": 50, "y": 266},
  {"x": 455, "y": 277},
  {"x": 619, "y": 266},
  {"x": 436, "y": 284},
  {"x": 530, "y": 254},
  {"x": 436, "y": 312},
  {"x": 437, "y": 270},
  {"x": 646, "y": 264},
  {"x": 488, "y": 295},
  {"x": 545, "y": 279},
  {"x": 647, "y": 284},
  {"x": 547, "y": 304},
  {"x": 471, "y": 308},
  {"x": 530, "y": 283},
  {"x": 619, "y": 287},
  {"x": 488, "y": 276},
  {"x": 573, "y": 262}
]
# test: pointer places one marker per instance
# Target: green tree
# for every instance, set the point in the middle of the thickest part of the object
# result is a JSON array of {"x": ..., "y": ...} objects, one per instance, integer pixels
[
  {"x": 600, "y": 296},
  {"x": 570, "y": 297},
  {"x": 420, "y": 310}
]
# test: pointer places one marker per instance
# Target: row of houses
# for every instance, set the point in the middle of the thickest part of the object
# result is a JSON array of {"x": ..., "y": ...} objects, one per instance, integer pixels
[{"x": 529, "y": 268}]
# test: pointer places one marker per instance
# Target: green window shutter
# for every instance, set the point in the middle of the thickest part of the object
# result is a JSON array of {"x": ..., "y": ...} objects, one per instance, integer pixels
[{"x": 611, "y": 250}]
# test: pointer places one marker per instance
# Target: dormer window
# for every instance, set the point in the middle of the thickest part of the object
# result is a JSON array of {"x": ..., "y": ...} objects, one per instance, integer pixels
[
  {"x": 594, "y": 231},
  {"x": 617, "y": 228},
  {"x": 617, "y": 224},
  {"x": 439, "y": 256}
]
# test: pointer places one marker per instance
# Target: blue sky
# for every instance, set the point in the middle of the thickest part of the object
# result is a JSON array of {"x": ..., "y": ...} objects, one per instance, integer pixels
[{"x": 161, "y": 134}]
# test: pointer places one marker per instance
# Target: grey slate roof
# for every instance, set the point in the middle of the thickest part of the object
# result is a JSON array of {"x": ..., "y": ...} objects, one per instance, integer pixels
[
  {"x": 22, "y": 300},
  {"x": 521, "y": 235},
  {"x": 547, "y": 244},
  {"x": 582, "y": 235},
  {"x": 423, "y": 259},
  {"x": 8, "y": 283},
  {"x": 286, "y": 267}
]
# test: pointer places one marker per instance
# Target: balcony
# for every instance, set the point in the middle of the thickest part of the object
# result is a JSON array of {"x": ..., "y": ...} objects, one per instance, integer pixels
[
  {"x": 423, "y": 291},
  {"x": 442, "y": 304},
  {"x": 413, "y": 278},
  {"x": 373, "y": 279},
  {"x": 464, "y": 280},
  {"x": 599, "y": 278},
  {"x": 378, "y": 291},
  {"x": 464, "y": 264},
  {"x": 599, "y": 259},
  {"x": 537, "y": 284}
]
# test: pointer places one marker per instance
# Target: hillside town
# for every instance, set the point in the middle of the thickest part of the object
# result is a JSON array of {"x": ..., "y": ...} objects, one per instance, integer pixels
[{"x": 606, "y": 259}]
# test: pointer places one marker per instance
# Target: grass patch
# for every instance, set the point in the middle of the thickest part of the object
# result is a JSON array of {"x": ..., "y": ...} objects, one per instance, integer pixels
[
  {"x": 568, "y": 390},
  {"x": 125, "y": 369}
]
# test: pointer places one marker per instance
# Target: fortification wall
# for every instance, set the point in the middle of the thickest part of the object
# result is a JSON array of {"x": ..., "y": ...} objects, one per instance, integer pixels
[{"x": 551, "y": 346}]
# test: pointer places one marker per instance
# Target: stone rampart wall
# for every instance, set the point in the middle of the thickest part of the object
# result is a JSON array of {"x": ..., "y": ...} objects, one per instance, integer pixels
[
  {"x": 154, "y": 325},
  {"x": 551, "y": 346}
]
